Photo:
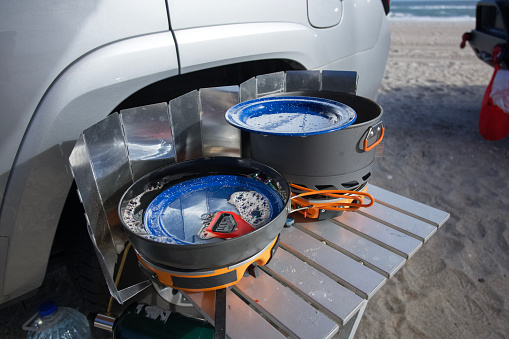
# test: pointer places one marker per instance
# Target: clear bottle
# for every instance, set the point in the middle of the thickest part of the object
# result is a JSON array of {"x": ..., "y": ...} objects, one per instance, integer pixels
[{"x": 52, "y": 322}]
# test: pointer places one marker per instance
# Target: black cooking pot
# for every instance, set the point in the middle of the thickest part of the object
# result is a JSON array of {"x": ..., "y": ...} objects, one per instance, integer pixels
[
  {"x": 340, "y": 160},
  {"x": 213, "y": 255}
]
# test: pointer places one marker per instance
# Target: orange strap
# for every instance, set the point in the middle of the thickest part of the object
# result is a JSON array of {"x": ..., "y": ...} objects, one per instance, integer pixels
[{"x": 355, "y": 197}]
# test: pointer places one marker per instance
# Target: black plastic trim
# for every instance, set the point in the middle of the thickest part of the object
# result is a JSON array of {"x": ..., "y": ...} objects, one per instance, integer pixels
[
  {"x": 206, "y": 282},
  {"x": 387, "y": 6}
]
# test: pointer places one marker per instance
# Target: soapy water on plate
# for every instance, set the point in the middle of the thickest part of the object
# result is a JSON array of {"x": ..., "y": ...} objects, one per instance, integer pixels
[
  {"x": 252, "y": 206},
  {"x": 175, "y": 215},
  {"x": 292, "y": 122}
]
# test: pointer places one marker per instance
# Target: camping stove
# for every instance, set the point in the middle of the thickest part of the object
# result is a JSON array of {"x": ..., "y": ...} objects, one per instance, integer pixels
[
  {"x": 110, "y": 156},
  {"x": 207, "y": 280},
  {"x": 182, "y": 220},
  {"x": 309, "y": 206}
]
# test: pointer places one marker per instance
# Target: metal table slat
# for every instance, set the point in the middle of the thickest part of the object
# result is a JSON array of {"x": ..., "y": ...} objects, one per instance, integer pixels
[
  {"x": 374, "y": 256},
  {"x": 241, "y": 320},
  {"x": 285, "y": 308},
  {"x": 402, "y": 222},
  {"x": 362, "y": 280},
  {"x": 383, "y": 235},
  {"x": 322, "y": 292},
  {"x": 408, "y": 206}
]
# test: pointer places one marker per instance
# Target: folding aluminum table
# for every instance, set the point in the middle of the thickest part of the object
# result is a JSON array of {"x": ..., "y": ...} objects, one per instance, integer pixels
[{"x": 322, "y": 276}]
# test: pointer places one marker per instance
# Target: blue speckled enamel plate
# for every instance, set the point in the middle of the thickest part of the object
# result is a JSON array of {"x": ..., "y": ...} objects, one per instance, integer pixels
[
  {"x": 177, "y": 212},
  {"x": 291, "y": 116}
]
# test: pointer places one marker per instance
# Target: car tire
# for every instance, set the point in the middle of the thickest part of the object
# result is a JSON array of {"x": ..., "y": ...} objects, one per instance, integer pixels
[{"x": 82, "y": 263}]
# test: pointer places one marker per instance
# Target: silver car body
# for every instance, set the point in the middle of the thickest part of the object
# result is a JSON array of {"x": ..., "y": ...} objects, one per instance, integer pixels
[{"x": 64, "y": 65}]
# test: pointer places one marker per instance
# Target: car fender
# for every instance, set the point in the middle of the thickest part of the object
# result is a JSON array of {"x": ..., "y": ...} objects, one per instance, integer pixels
[
  {"x": 369, "y": 64},
  {"x": 38, "y": 40},
  {"x": 84, "y": 93},
  {"x": 361, "y": 38},
  {"x": 251, "y": 41}
]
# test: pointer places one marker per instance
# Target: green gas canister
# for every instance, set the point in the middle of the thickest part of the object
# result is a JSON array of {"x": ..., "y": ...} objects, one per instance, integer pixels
[{"x": 140, "y": 320}]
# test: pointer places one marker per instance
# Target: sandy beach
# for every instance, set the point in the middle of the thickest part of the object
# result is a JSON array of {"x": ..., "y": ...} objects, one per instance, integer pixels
[{"x": 457, "y": 285}]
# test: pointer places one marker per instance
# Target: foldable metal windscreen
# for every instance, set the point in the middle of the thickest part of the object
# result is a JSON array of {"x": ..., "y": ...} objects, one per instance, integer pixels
[{"x": 110, "y": 155}]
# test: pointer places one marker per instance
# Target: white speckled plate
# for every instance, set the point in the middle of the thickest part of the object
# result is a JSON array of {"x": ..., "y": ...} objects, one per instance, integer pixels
[
  {"x": 290, "y": 116},
  {"x": 177, "y": 212}
]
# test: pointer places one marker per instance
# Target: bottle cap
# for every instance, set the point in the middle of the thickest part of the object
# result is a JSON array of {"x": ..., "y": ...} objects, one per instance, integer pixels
[{"x": 47, "y": 308}]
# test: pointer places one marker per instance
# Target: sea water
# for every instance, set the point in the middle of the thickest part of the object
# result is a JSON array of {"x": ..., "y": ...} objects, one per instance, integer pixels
[{"x": 432, "y": 10}]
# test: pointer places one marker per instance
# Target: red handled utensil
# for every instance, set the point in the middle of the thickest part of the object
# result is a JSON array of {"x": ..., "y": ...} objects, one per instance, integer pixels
[{"x": 224, "y": 225}]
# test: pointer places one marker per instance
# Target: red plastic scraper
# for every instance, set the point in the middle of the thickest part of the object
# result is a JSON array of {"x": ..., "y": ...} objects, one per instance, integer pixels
[{"x": 224, "y": 225}]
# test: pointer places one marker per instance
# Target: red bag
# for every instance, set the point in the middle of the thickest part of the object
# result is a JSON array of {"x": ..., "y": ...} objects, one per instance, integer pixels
[{"x": 493, "y": 122}]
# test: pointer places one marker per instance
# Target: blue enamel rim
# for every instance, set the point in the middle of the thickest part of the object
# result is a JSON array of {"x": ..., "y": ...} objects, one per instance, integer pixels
[{"x": 332, "y": 115}]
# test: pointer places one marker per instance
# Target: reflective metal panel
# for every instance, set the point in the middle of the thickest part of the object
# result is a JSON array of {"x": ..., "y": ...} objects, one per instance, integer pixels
[
  {"x": 90, "y": 197},
  {"x": 110, "y": 166},
  {"x": 248, "y": 90},
  {"x": 97, "y": 220},
  {"x": 333, "y": 81},
  {"x": 303, "y": 81},
  {"x": 148, "y": 138},
  {"x": 185, "y": 122},
  {"x": 270, "y": 83},
  {"x": 219, "y": 137},
  {"x": 343, "y": 81},
  {"x": 94, "y": 210}
]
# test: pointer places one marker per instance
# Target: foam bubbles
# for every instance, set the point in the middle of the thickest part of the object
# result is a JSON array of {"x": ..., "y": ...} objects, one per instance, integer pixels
[{"x": 253, "y": 207}]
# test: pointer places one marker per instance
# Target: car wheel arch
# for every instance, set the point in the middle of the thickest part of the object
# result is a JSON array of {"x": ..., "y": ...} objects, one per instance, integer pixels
[{"x": 58, "y": 194}]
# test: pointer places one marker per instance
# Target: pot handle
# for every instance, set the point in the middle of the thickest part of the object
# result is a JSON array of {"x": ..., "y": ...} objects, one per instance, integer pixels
[
  {"x": 371, "y": 132},
  {"x": 336, "y": 204}
]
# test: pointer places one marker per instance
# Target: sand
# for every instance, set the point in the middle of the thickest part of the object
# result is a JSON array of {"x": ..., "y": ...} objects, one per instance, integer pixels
[{"x": 457, "y": 285}]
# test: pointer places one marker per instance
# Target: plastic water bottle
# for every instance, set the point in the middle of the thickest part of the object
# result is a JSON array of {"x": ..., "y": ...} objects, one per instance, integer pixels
[{"x": 52, "y": 322}]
